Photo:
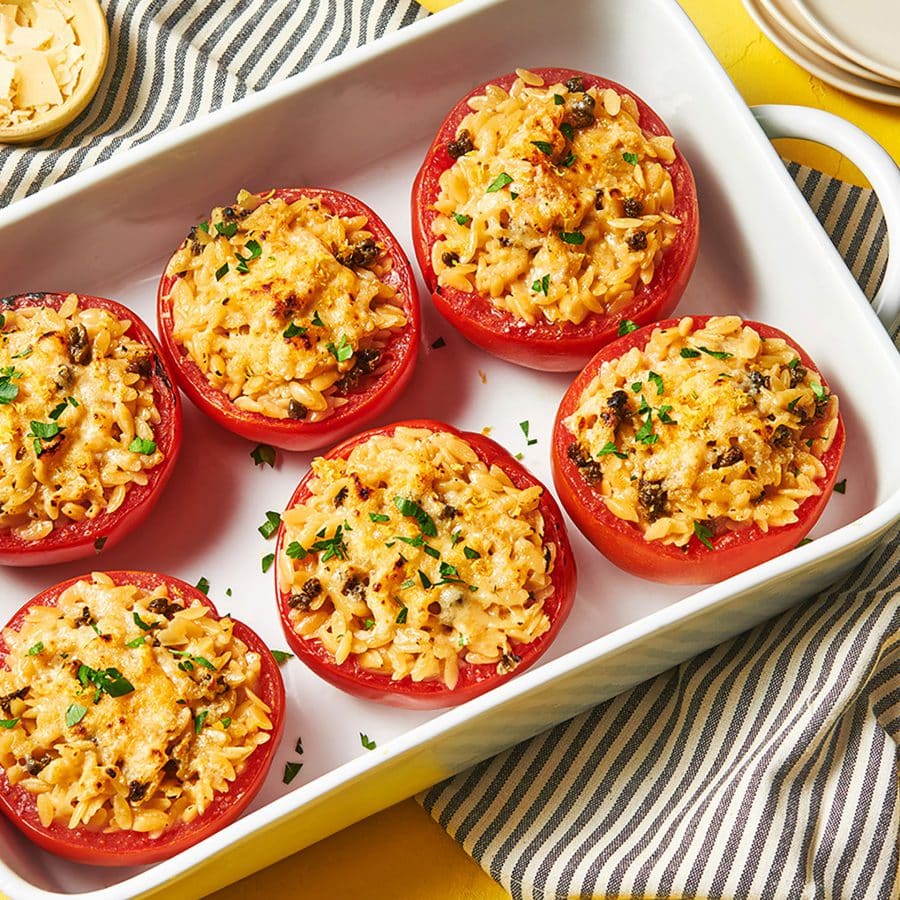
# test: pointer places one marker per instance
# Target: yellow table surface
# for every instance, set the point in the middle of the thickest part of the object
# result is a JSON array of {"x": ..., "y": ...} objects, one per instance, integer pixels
[{"x": 401, "y": 853}]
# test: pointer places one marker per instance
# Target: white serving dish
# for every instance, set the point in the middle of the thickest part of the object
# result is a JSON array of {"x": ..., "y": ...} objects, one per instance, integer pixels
[{"x": 361, "y": 123}]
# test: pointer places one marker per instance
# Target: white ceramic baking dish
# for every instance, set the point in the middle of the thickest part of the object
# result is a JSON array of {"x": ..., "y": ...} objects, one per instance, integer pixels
[{"x": 361, "y": 123}]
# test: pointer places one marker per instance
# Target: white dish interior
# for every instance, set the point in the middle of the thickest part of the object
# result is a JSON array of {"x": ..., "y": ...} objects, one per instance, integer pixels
[{"x": 361, "y": 124}]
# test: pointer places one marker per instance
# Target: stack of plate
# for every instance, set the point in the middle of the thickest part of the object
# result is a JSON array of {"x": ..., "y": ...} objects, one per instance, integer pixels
[{"x": 854, "y": 46}]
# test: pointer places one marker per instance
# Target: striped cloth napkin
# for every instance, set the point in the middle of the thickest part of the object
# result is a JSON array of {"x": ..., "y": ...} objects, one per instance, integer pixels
[{"x": 766, "y": 767}]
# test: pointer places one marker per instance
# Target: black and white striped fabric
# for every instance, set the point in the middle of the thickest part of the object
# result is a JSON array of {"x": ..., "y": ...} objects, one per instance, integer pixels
[
  {"x": 173, "y": 60},
  {"x": 765, "y": 768}
]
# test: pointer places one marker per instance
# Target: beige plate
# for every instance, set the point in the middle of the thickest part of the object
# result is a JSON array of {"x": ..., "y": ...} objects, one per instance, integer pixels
[{"x": 90, "y": 26}]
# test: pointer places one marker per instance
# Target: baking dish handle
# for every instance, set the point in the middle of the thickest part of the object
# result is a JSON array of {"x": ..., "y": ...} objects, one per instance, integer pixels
[{"x": 806, "y": 123}]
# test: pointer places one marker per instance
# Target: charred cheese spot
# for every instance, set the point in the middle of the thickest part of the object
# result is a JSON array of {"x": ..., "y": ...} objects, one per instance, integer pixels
[
  {"x": 718, "y": 430},
  {"x": 283, "y": 305},
  {"x": 434, "y": 561},
  {"x": 75, "y": 373},
  {"x": 173, "y": 725},
  {"x": 561, "y": 209}
]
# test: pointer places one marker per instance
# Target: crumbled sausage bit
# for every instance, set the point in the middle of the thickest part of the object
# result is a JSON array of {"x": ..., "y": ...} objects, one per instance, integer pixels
[
  {"x": 141, "y": 365},
  {"x": 598, "y": 199},
  {"x": 85, "y": 618},
  {"x": 361, "y": 490},
  {"x": 617, "y": 409},
  {"x": 758, "y": 381},
  {"x": 759, "y": 497},
  {"x": 508, "y": 662},
  {"x": 581, "y": 112},
  {"x": 798, "y": 373},
  {"x": 361, "y": 254},
  {"x": 164, "y": 607},
  {"x": 461, "y": 146},
  {"x": 340, "y": 496},
  {"x": 355, "y": 588},
  {"x": 296, "y": 410},
  {"x": 782, "y": 436},
  {"x": 653, "y": 498},
  {"x": 366, "y": 362},
  {"x": 35, "y": 765},
  {"x": 64, "y": 377},
  {"x": 449, "y": 512},
  {"x": 589, "y": 468},
  {"x": 449, "y": 258},
  {"x": 637, "y": 240},
  {"x": 632, "y": 207},
  {"x": 575, "y": 84},
  {"x": 729, "y": 457},
  {"x": 311, "y": 589},
  {"x": 170, "y": 769},
  {"x": 79, "y": 345},
  {"x": 137, "y": 790}
]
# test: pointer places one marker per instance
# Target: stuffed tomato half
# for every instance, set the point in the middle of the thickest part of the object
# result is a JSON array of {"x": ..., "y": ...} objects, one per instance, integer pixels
[
  {"x": 135, "y": 720},
  {"x": 552, "y": 210},
  {"x": 90, "y": 426},
  {"x": 691, "y": 450},
  {"x": 420, "y": 566},
  {"x": 290, "y": 317}
]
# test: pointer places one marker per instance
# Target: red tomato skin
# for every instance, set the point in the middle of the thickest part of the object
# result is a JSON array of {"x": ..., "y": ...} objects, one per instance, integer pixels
[
  {"x": 374, "y": 397},
  {"x": 128, "y": 848},
  {"x": 76, "y": 540},
  {"x": 623, "y": 544},
  {"x": 474, "y": 679},
  {"x": 545, "y": 346}
]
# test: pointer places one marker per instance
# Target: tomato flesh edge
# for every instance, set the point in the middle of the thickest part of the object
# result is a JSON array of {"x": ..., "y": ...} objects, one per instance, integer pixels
[
  {"x": 546, "y": 346},
  {"x": 128, "y": 848},
  {"x": 76, "y": 540},
  {"x": 376, "y": 393},
  {"x": 623, "y": 543},
  {"x": 473, "y": 679}
]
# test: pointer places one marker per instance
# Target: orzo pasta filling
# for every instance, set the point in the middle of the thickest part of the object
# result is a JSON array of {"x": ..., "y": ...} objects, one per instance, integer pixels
[
  {"x": 415, "y": 558},
  {"x": 282, "y": 305},
  {"x": 77, "y": 416},
  {"x": 125, "y": 708},
  {"x": 557, "y": 205},
  {"x": 704, "y": 430}
]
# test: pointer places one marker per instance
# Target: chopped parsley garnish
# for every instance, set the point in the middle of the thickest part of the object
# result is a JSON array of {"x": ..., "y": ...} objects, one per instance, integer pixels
[
  {"x": 657, "y": 380},
  {"x": 142, "y": 446},
  {"x": 717, "y": 354},
  {"x": 558, "y": 99},
  {"x": 426, "y": 581},
  {"x": 525, "y": 426},
  {"x": 704, "y": 534},
  {"x": 805, "y": 541},
  {"x": 293, "y": 330},
  {"x": 43, "y": 431},
  {"x": 34, "y": 649},
  {"x": 513, "y": 195},
  {"x": 818, "y": 390},
  {"x": 139, "y": 641},
  {"x": 24, "y": 354},
  {"x": 440, "y": 342},
  {"x": 106, "y": 681},
  {"x": 407, "y": 584},
  {"x": 664, "y": 417},
  {"x": 794, "y": 363},
  {"x": 317, "y": 320},
  {"x": 8, "y": 390},
  {"x": 631, "y": 158},
  {"x": 199, "y": 719},
  {"x": 626, "y": 326},
  {"x": 282, "y": 655},
  {"x": 10, "y": 723},
  {"x": 295, "y": 550},
  {"x": 369, "y": 624},
  {"x": 379, "y": 517},
  {"x": 291, "y": 769},
  {"x": 189, "y": 660},
  {"x": 544, "y": 146},
  {"x": 470, "y": 553},
  {"x": 571, "y": 237},
  {"x": 501, "y": 181},
  {"x": 567, "y": 162},
  {"x": 689, "y": 353},
  {"x": 144, "y": 626},
  {"x": 636, "y": 386},
  {"x": 204, "y": 226},
  {"x": 456, "y": 536},
  {"x": 645, "y": 434},
  {"x": 401, "y": 616},
  {"x": 263, "y": 455},
  {"x": 255, "y": 253},
  {"x": 568, "y": 131},
  {"x": 331, "y": 547},
  {"x": 60, "y": 408},
  {"x": 364, "y": 738},
  {"x": 412, "y": 509},
  {"x": 226, "y": 229},
  {"x": 342, "y": 351},
  {"x": 270, "y": 526},
  {"x": 203, "y": 585},
  {"x": 267, "y": 561},
  {"x": 99, "y": 544},
  {"x": 75, "y": 713},
  {"x": 222, "y": 271},
  {"x": 793, "y": 403},
  {"x": 541, "y": 285},
  {"x": 433, "y": 552},
  {"x": 840, "y": 487},
  {"x": 461, "y": 219},
  {"x": 609, "y": 448},
  {"x": 226, "y": 722}
]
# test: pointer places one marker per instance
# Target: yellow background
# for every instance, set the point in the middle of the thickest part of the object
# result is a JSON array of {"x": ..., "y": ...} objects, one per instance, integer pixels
[{"x": 401, "y": 853}]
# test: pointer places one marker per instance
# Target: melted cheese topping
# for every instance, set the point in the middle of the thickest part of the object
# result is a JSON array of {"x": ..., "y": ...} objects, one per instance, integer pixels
[
  {"x": 127, "y": 709},
  {"x": 563, "y": 207},
  {"x": 77, "y": 416},
  {"x": 282, "y": 305},
  {"x": 40, "y": 59},
  {"x": 704, "y": 430},
  {"x": 417, "y": 559}
]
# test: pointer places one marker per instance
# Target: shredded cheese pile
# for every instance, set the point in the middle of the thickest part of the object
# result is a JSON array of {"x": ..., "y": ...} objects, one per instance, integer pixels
[
  {"x": 704, "y": 430},
  {"x": 558, "y": 205},
  {"x": 40, "y": 59},
  {"x": 126, "y": 709},
  {"x": 417, "y": 559},
  {"x": 77, "y": 416},
  {"x": 283, "y": 306}
]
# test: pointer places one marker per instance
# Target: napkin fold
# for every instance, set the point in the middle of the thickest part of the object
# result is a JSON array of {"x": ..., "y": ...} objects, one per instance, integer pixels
[{"x": 766, "y": 767}]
